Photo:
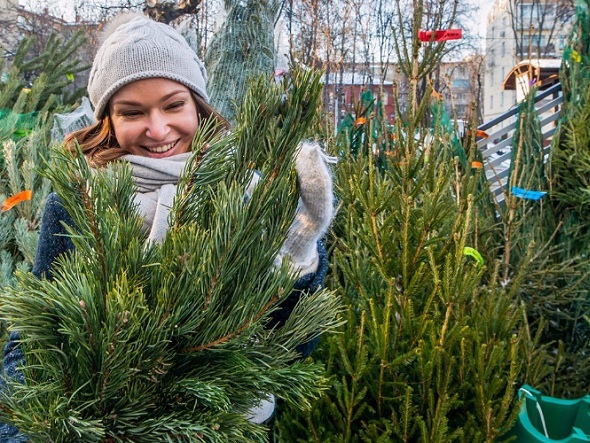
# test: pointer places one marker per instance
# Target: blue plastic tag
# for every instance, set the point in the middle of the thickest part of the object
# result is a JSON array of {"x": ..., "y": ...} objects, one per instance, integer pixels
[{"x": 527, "y": 193}]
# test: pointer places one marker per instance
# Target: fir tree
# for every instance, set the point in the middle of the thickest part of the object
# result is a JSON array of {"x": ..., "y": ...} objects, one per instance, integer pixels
[
  {"x": 570, "y": 152},
  {"x": 173, "y": 342},
  {"x": 569, "y": 168},
  {"x": 446, "y": 312},
  {"x": 556, "y": 285},
  {"x": 19, "y": 225},
  {"x": 40, "y": 84}
]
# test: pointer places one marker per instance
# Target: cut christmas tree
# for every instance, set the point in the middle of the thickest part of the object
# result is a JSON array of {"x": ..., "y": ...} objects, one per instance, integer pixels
[
  {"x": 242, "y": 48},
  {"x": 441, "y": 287}
]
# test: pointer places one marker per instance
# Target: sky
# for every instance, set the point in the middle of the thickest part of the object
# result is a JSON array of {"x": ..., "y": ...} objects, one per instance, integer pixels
[{"x": 65, "y": 7}]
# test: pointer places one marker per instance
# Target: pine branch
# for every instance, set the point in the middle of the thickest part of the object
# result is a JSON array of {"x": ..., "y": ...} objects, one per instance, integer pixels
[{"x": 231, "y": 335}]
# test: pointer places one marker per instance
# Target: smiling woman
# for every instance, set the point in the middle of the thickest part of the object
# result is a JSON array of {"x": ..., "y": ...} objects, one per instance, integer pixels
[
  {"x": 148, "y": 90},
  {"x": 154, "y": 117},
  {"x": 143, "y": 106}
]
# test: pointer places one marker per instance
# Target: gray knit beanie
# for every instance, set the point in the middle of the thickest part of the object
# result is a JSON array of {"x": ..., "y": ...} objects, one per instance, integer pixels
[{"x": 136, "y": 47}]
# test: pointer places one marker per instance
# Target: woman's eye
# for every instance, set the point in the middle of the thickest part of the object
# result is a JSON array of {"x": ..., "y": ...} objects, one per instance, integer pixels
[
  {"x": 129, "y": 114},
  {"x": 176, "y": 105}
]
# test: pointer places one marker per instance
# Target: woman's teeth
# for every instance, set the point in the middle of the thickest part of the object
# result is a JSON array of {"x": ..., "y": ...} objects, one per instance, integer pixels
[{"x": 160, "y": 149}]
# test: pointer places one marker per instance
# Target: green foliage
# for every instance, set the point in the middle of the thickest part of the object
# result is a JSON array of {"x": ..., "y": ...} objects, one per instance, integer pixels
[
  {"x": 40, "y": 84},
  {"x": 527, "y": 161},
  {"x": 19, "y": 225},
  {"x": 31, "y": 90},
  {"x": 173, "y": 342},
  {"x": 555, "y": 289},
  {"x": 570, "y": 152},
  {"x": 569, "y": 168},
  {"x": 434, "y": 344}
]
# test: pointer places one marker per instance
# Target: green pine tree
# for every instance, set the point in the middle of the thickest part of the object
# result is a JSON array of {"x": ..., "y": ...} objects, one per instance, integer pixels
[
  {"x": 40, "y": 83},
  {"x": 453, "y": 302},
  {"x": 570, "y": 187},
  {"x": 173, "y": 342},
  {"x": 556, "y": 285},
  {"x": 570, "y": 152}
]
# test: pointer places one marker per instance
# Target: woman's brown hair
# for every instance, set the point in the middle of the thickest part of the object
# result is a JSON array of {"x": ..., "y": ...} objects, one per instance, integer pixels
[{"x": 99, "y": 144}]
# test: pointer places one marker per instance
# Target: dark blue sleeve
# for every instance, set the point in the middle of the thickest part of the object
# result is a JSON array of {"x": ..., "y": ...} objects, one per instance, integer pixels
[
  {"x": 52, "y": 243},
  {"x": 13, "y": 358},
  {"x": 308, "y": 283},
  {"x": 53, "y": 240}
]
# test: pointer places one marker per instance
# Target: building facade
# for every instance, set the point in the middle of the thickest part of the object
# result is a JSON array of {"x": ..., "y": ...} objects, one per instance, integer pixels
[
  {"x": 8, "y": 23},
  {"x": 519, "y": 30},
  {"x": 458, "y": 84}
]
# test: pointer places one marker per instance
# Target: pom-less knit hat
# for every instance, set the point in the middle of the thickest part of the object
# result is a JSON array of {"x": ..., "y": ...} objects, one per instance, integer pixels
[{"x": 136, "y": 47}]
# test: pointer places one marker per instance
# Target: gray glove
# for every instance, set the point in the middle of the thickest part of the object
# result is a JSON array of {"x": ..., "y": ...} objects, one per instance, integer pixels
[{"x": 314, "y": 211}]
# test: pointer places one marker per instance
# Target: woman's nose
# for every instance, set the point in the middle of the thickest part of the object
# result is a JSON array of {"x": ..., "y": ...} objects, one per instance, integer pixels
[{"x": 157, "y": 126}]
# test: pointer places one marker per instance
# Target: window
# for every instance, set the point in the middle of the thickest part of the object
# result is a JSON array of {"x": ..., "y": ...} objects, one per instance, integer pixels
[
  {"x": 502, "y": 98},
  {"x": 503, "y": 49},
  {"x": 526, "y": 10},
  {"x": 533, "y": 12},
  {"x": 562, "y": 41},
  {"x": 461, "y": 83},
  {"x": 491, "y": 102}
]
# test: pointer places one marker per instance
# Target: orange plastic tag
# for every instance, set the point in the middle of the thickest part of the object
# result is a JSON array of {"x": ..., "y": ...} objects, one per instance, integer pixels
[
  {"x": 479, "y": 133},
  {"x": 10, "y": 202}
]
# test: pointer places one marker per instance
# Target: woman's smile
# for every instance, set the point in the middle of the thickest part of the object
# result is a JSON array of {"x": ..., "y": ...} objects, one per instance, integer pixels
[{"x": 162, "y": 148}]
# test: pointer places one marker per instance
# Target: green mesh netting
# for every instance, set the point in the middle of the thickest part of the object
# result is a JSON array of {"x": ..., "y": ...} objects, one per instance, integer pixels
[
  {"x": 242, "y": 48},
  {"x": 14, "y": 126},
  {"x": 442, "y": 123},
  {"x": 64, "y": 124}
]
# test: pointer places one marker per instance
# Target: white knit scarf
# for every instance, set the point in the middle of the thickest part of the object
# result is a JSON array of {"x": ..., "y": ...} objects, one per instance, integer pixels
[{"x": 156, "y": 180}]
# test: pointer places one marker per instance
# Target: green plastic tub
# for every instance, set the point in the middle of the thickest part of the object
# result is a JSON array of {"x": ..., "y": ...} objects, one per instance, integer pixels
[{"x": 544, "y": 419}]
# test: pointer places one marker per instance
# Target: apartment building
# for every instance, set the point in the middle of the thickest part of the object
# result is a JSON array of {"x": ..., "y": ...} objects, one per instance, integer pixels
[
  {"x": 8, "y": 23},
  {"x": 532, "y": 31},
  {"x": 457, "y": 83}
]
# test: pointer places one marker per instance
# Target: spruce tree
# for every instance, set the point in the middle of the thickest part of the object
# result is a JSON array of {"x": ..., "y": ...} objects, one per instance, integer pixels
[
  {"x": 434, "y": 344},
  {"x": 173, "y": 342},
  {"x": 555, "y": 288},
  {"x": 41, "y": 83},
  {"x": 448, "y": 294},
  {"x": 542, "y": 234},
  {"x": 570, "y": 187},
  {"x": 570, "y": 151}
]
